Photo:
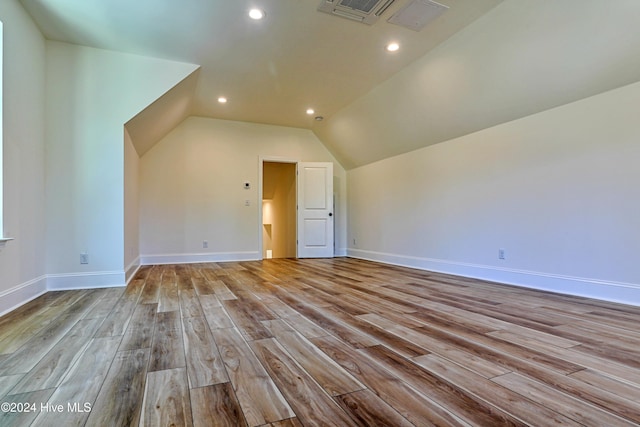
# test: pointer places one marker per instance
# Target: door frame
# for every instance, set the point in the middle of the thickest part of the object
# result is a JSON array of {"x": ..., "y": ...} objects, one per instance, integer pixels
[{"x": 271, "y": 159}]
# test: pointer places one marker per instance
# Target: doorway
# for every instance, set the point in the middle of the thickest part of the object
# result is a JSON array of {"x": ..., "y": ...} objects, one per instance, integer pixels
[{"x": 279, "y": 210}]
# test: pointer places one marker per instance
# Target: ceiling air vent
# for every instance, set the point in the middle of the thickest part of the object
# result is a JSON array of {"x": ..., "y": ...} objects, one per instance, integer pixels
[
  {"x": 417, "y": 14},
  {"x": 365, "y": 11}
]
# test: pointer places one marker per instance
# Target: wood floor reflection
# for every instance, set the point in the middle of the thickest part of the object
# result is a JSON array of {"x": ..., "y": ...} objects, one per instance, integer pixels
[{"x": 335, "y": 342}]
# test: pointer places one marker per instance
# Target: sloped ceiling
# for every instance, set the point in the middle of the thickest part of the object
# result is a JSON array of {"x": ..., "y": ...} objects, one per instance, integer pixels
[
  {"x": 158, "y": 119},
  {"x": 482, "y": 63},
  {"x": 521, "y": 58}
]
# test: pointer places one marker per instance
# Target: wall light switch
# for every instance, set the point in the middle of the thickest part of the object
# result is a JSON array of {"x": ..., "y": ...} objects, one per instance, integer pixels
[{"x": 247, "y": 202}]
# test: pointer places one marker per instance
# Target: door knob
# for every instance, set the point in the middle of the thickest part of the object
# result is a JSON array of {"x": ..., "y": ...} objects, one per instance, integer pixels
[{"x": 330, "y": 214}]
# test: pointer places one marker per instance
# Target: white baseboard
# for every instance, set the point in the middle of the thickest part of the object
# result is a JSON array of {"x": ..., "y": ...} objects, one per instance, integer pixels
[
  {"x": 196, "y": 258},
  {"x": 131, "y": 270},
  {"x": 625, "y": 293},
  {"x": 98, "y": 279},
  {"x": 340, "y": 252},
  {"x": 22, "y": 294}
]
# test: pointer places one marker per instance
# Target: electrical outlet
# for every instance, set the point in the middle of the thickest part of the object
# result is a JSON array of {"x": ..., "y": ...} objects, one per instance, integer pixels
[
  {"x": 247, "y": 202},
  {"x": 205, "y": 244},
  {"x": 501, "y": 253},
  {"x": 84, "y": 258},
  {"x": 354, "y": 242}
]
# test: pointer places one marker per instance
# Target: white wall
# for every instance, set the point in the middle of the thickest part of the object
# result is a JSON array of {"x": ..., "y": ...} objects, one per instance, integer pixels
[
  {"x": 131, "y": 208},
  {"x": 521, "y": 58},
  {"x": 22, "y": 261},
  {"x": 191, "y": 188},
  {"x": 557, "y": 190},
  {"x": 91, "y": 94}
]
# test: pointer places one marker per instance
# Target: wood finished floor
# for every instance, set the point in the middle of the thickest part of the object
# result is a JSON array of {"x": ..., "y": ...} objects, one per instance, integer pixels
[{"x": 338, "y": 342}]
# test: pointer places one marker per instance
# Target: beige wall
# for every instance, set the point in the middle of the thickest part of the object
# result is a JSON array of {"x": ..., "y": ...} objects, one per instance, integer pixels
[
  {"x": 91, "y": 94},
  {"x": 22, "y": 261},
  {"x": 557, "y": 190},
  {"x": 521, "y": 58},
  {"x": 131, "y": 208},
  {"x": 191, "y": 188}
]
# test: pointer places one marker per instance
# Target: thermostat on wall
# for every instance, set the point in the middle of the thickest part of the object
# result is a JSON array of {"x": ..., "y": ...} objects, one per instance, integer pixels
[{"x": 247, "y": 185}]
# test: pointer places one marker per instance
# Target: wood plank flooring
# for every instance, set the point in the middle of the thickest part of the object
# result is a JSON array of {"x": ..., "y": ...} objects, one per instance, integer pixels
[{"x": 335, "y": 342}]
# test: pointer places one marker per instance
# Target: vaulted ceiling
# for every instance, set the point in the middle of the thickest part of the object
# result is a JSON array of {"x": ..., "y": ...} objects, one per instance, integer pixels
[{"x": 481, "y": 63}]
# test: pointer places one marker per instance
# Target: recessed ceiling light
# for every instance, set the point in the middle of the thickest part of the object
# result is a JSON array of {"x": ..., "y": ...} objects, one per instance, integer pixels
[
  {"x": 256, "y": 14},
  {"x": 392, "y": 47},
  {"x": 310, "y": 111},
  {"x": 222, "y": 100}
]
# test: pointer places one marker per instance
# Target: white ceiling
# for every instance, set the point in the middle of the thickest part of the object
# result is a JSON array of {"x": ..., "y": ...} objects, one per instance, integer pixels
[
  {"x": 482, "y": 63},
  {"x": 271, "y": 70}
]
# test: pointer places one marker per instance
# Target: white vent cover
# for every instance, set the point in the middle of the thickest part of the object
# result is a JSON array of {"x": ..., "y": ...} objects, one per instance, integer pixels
[
  {"x": 365, "y": 11},
  {"x": 417, "y": 14}
]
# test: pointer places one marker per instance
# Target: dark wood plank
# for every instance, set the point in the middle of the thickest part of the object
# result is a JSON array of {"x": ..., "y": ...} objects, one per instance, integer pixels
[
  {"x": 367, "y": 409},
  {"x": 140, "y": 329},
  {"x": 119, "y": 402},
  {"x": 247, "y": 321},
  {"x": 167, "y": 349}
]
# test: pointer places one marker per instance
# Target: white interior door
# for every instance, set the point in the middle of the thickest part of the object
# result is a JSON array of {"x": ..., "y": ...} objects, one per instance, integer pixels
[{"x": 315, "y": 210}]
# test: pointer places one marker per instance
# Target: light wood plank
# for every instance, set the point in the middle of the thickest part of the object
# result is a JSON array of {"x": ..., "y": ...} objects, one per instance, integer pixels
[
  {"x": 48, "y": 373},
  {"x": 31, "y": 405},
  {"x": 326, "y": 372},
  {"x": 466, "y": 405},
  {"x": 82, "y": 384},
  {"x": 168, "y": 300},
  {"x": 551, "y": 398},
  {"x": 409, "y": 402},
  {"x": 312, "y": 407},
  {"x": 422, "y": 347},
  {"x": 260, "y": 399},
  {"x": 8, "y": 382},
  {"x": 166, "y": 399},
  {"x": 217, "y": 318},
  {"x": 204, "y": 364},
  {"x": 190, "y": 304}
]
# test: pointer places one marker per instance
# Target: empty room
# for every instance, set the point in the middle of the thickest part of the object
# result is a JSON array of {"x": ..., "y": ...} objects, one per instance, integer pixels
[{"x": 319, "y": 212}]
